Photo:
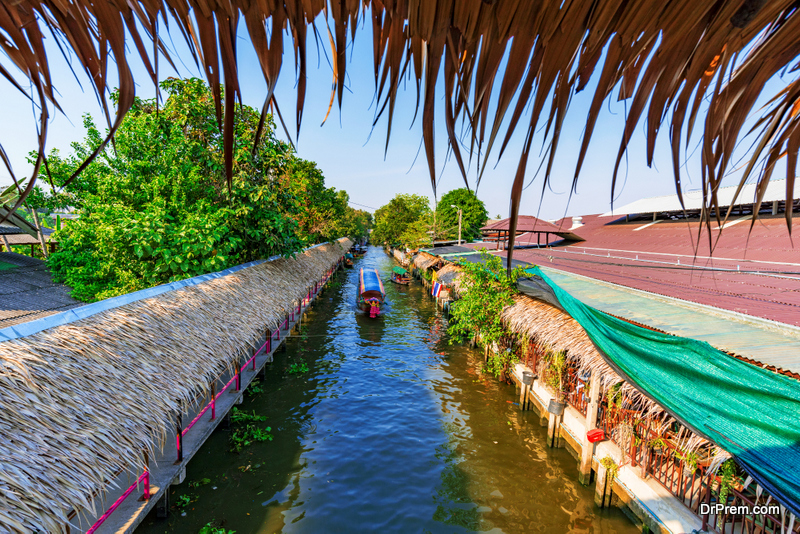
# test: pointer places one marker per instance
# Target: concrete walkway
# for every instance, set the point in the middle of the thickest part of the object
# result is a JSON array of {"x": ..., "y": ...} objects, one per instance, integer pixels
[{"x": 27, "y": 292}]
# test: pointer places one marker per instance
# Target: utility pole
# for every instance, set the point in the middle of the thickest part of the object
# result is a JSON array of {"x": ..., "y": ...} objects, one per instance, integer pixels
[{"x": 459, "y": 222}]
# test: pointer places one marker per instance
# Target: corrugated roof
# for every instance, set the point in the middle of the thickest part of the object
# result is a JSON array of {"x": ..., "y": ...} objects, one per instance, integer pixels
[
  {"x": 525, "y": 223},
  {"x": 693, "y": 200}
]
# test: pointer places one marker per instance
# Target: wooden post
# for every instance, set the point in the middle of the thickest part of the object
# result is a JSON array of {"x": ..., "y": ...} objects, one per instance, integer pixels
[
  {"x": 39, "y": 232},
  {"x": 601, "y": 486},
  {"x": 5, "y": 243},
  {"x": 179, "y": 436},
  {"x": 554, "y": 430},
  {"x": 146, "y": 494},
  {"x": 587, "y": 451},
  {"x": 213, "y": 400}
]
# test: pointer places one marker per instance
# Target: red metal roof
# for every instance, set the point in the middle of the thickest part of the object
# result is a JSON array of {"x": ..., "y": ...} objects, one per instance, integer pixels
[
  {"x": 755, "y": 272},
  {"x": 525, "y": 223}
]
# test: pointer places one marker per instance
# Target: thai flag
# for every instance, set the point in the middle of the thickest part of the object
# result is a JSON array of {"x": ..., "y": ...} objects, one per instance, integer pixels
[{"x": 437, "y": 288}]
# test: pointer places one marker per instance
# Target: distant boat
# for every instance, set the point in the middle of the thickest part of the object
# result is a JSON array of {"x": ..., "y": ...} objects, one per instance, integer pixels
[
  {"x": 348, "y": 260},
  {"x": 400, "y": 276},
  {"x": 370, "y": 292}
]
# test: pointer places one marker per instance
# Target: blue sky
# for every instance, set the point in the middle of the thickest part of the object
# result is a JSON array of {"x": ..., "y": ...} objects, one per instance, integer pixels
[{"x": 353, "y": 160}]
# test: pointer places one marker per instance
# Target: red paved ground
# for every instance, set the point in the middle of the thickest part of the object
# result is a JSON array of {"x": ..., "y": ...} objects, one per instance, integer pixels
[{"x": 671, "y": 263}]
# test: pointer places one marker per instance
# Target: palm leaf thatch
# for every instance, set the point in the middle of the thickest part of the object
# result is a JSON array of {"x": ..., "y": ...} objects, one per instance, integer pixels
[
  {"x": 677, "y": 62},
  {"x": 424, "y": 261},
  {"x": 551, "y": 330},
  {"x": 83, "y": 400},
  {"x": 447, "y": 275}
]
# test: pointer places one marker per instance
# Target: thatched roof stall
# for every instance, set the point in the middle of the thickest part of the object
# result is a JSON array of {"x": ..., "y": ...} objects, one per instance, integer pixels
[
  {"x": 83, "y": 400},
  {"x": 424, "y": 261},
  {"x": 447, "y": 275}
]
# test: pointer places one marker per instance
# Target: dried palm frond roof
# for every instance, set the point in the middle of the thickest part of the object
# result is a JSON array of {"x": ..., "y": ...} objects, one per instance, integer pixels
[
  {"x": 84, "y": 399},
  {"x": 677, "y": 62},
  {"x": 425, "y": 261},
  {"x": 554, "y": 330},
  {"x": 447, "y": 275}
]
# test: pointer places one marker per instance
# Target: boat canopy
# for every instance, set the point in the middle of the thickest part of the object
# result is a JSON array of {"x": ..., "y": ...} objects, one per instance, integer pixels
[
  {"x": 348, "y": 256},
  {"x": 370, "y": 281},
  {"x": 400, "y": 270}
]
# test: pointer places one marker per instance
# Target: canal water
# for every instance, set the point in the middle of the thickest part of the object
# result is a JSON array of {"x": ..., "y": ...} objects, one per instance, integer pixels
[{"x": 390, "y": 429}]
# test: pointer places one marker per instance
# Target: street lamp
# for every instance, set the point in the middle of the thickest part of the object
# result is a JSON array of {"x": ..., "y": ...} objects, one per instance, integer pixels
[{"x": 459, "y": 221}]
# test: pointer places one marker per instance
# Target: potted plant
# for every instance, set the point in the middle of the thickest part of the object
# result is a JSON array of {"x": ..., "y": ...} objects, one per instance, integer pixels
[
  {"x": 728, "y": 479},
  {"x": 657, "y": 445},
  {"x": 689, "y": 462},
  {"x": 555, "y": 379}
]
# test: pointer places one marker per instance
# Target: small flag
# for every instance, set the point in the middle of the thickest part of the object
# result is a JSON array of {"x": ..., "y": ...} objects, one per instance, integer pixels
[{"x": 437, "y": 288}]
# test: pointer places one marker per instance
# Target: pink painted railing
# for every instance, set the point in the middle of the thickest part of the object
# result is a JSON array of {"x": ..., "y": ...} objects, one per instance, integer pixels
[{"x": 145, "y": 477}]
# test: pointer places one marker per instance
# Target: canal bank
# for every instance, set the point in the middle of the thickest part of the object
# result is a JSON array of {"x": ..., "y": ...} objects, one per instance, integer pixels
[
  {"x": 390, "y": 429},
  {"x": 106, "y": 403},
  {"x": 647, "y": 459}
]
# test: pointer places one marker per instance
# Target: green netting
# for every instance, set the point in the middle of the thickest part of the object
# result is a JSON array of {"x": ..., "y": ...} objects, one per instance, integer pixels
[
  {"x": 751, "y": 412},
  {"x": 400, "y": 270}
]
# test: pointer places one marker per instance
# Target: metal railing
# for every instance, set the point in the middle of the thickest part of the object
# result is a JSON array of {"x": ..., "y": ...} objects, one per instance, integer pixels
[{"x": 690, "y": 482}]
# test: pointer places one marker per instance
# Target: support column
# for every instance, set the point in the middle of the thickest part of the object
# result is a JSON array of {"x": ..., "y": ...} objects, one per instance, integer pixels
[
  {"x": 587, "y": 451},
  {"x": 774, "y": 207},
  {"x": 162, "y": 507},
  {"x": 601, "y": 490},
  {"x": 554, "y": 430}
]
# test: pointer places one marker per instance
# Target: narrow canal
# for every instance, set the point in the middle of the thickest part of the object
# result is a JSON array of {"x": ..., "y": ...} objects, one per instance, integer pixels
[{"x": 390, "y": 429}]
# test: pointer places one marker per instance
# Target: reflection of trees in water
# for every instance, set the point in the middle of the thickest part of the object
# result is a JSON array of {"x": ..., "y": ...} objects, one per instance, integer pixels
[{"x": 453, "y": 503}]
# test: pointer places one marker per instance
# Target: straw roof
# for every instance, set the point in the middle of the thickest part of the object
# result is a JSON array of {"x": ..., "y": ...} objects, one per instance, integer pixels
[
  {"x": 552, "y": 329},
  {"x": 83, "y": 400},
  {"x": 447, "y": 275},
  {"x": 425, "y": 261},
  {"x": 686, "y": 62}
]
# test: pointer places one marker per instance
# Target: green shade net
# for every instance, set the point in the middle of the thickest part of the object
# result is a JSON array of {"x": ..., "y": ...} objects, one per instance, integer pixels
[
  {"x": 750, "y": 412},
  {"x": 399, "y": 270}
]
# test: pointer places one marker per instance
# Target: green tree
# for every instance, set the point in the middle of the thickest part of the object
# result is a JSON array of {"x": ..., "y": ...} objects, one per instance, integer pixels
[
  {"x": 419, "y": 233},
  {"x": 486, "y": 290},
  {"x": 474, "y": 214},
  {"x": 155, "y": 208},
  {"x": 393, "y": 219}
]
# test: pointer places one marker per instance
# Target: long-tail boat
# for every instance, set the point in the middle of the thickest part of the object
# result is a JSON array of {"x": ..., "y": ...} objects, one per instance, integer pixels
[
  {"x": 400, "y": 276},
  {"x": 370, "y": 292}
]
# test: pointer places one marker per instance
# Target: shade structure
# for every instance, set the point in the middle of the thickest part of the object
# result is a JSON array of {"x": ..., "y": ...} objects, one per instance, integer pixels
[
  {"x": 749, "y": 411},
  {"x": 370, "y": 283},
  {"x": 98, "y": 391},
  {"x": 399, "y": 270}
]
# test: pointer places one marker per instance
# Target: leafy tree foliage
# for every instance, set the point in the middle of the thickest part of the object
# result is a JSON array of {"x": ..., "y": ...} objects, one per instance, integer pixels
[
  {"x": 487, "y": 290},
  {"x": 156, "y": 208},
  {"x": 473, "y": 217},
  {"x": 394, "y": 219}
]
